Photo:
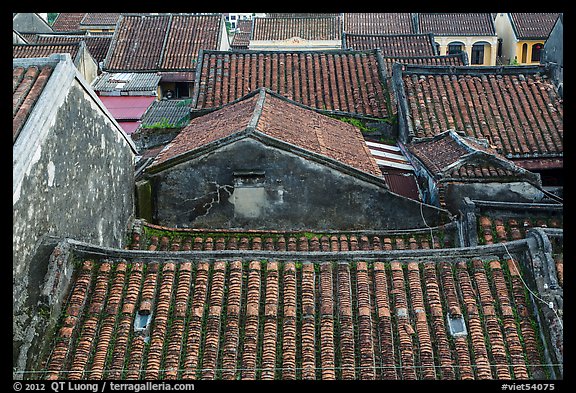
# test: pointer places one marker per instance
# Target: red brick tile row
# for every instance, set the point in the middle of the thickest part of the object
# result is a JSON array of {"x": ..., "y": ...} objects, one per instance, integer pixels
[
  {"x": 308, "y": 335},
  {"x": 523, "y": 310},
  {"x": 496, "y": 340},
  {"x": 404, "y": 327},
  {"x": 126, "y": 321},
  {"x": 89, "y": 332},
  {"x": 515, "y": 349},
  {"x": 437, "y": 318},
  {"x": 289, "y": 334},
  {"x": 231, "y": 332},
  {"x": 194, "y": 329},
  {"x": 345, "y": 321},
  {"x": 425, "y": 350},
  {"x": 175, "y": 343},
  {"x": 327, "y": 350},
  {"x": 385, "y": 330},
  {"x": 71, "y": 325},
  {"x": 252, "y": 320},
  {"x": 366, "y": 328},
  {"x": 160, "y": 325},
  {"x": 475, "y": 330},
  {"x": 107, "y": 326},
  {"x": 212, "y": 338},
  {"x": 464, "y": 370},
  {"x": 270, "y": 334}
]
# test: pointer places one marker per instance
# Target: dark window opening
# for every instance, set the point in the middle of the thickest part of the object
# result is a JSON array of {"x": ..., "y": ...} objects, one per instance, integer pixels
[
  {"x": 182, "y": 89},
  {"x": 477, "y": 54},
  {"x": 524, "y": 52},
  {"x": 454, "y": 49},
  {"x": 536, "y": 51}
]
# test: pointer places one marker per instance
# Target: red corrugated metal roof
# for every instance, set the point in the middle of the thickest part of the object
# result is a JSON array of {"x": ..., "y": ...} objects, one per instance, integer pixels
[
  {"x": 402, "y": 183},
  {"x": 127, "y": 107},
  {"x": 129, "y": 126}
]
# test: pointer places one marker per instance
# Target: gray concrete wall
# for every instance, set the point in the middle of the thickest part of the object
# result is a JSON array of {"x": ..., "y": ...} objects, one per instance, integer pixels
[
  {"x": 275, "y": 189},
  {"x": 75, "y": 178}
]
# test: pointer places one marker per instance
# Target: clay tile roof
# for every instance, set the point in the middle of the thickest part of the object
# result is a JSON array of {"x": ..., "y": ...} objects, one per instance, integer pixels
[
  {"x": 281, "y": 119},
  {"x": 100, "y": 19},
  {"x": 458, "y": 59},
  {"x": 378, "y": 23},
  {"x": 242, "y": 35},
  {"x": 535, "y": 25},
  {"x": 516, "y": 109},
  {"x": 335, "y": 81},
  {"x": 44, "y": 50},
  {"x": 97, "y": 45},
  {"x": 162, "y": 42},
  {"x": 447, "y": 24},
  {"x": 393, "y": 45},
  {"x": 27, "y": 86},
  {"x": 253, "y": 319},
  {"x": 68, "y": 21},
  {"x": 453, "y": 156},
  {"x": 308, "y": 28}
]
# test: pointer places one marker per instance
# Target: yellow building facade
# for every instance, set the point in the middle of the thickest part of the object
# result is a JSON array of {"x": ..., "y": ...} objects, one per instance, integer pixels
[{"x": 481, "y": 50}]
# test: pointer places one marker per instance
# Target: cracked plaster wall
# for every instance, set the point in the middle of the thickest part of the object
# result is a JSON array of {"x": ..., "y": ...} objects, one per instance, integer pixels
[
  {"x": 80, "y": 186},
  {"x": 294, "y": 193}
]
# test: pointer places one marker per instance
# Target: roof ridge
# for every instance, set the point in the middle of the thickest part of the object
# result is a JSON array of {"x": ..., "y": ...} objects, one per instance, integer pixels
[{"x": 253, "y": 123}]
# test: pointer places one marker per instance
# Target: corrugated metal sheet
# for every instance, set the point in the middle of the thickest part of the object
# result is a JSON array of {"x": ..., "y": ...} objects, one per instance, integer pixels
[
  {"x": 402, "y": 183},
  {"x": 126, "y": 81},
  {"x": 172, "y": 111}
]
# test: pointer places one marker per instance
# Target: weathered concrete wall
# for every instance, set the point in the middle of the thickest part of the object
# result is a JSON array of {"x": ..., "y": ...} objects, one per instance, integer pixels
[
  {"x": 79, "y": 185},
  {"x": 522, "y": 192},
  {"x": 275, "y": 189}
]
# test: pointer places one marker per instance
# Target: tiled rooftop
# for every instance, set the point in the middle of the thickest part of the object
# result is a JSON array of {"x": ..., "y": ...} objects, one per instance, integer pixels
[
  {"x": 452, "y": 156},
  {"x": 441, "y": 60},
  {"x": 100, "y": 19},
  {"x": 68, "y": 21},
  {"x": 97, "y": 45},
  {"x": 339, "y": 81},
  {"x": 248, "y": 319},
  {"x": 44, "y": 50},
  {"x": 531, "y": 25},
  {"x": 504, "y": 229},
  {"x": 175, "y": 112},
  {"x": 515, "y": 109},
  {"x": 27, "y": 86},
  {"x": 378, "y": 23},
  {"x": 281, "y": 119},
  {"x": 162, "y": 42},
  {"x": 308, "y": 28},
  {"x": 448, "y": 24},
  {"x": 241, "y": 37},
  {"x": 396, "y": 45}
]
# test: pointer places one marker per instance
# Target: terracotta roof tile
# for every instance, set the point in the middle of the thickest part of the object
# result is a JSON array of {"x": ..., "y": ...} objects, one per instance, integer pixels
[
  {"x": 97, "y": 45},
  {"x": 100, "y": 19},
  {"x": 162, "y": 42},
  {"x": 393, "y": 45},
  {"x": 324, "y": 80},
  {"x": 27, "y": 86},
  {"x": 68, "y": 21},
  {"x": 378, "y": 23},
  {"x": 280, "y": 119},
  {"x": 44, "y": 50},
  {"x": 533, "y": 25},
  {"x": 486, "y": 105},
  {"x": 458, "y": 24},
  {"x": 308, "y": 28}
]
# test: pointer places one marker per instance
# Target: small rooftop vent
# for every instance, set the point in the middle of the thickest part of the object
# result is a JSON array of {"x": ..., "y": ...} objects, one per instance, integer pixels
[{"x": 457, "y": 326}]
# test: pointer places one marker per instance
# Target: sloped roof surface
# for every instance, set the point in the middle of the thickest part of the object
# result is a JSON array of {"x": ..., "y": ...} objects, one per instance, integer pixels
[
  {"x": 440, "y": 60},
  {"x": 517, "y": 110},
  {"x": 68, "y": 21},
  {"x": 378, "y": 23},
  {"x": 451, "y": 155},
  {"x": 171, "y": 111},
  {"x": 100, "y": 19},
  {"x": 393, "y": 45},
  {"x": 533, "y": 24},
  {"x": 344, "y": 81},
  {"x": 97, "y": 44},
  {"x": 241, "y": 37},
  {"x": 27, "y": 86},
  {"x": 162, "y": 42},
  {"x": 309, "y": 28},
  {"x": 126, "y": 81},
  {"x": 44, "y": 50},
  {"x": 280, "y": 119},
  {"x": 447, "y": 24},
  {"x": 252, "y": 319}
]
